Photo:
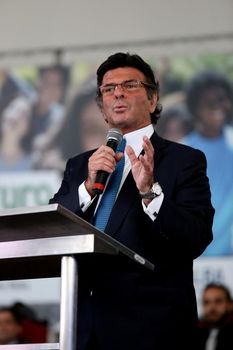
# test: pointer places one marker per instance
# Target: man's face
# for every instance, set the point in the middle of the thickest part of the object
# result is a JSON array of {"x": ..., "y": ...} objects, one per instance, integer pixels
[
  {"x": 50, "y": 87},
  {"x": 9, "y": 328},
  {"x": 214, "y": 109},
  {"x": 127, "y": 110},
  {"x": 215, "y": 305}
]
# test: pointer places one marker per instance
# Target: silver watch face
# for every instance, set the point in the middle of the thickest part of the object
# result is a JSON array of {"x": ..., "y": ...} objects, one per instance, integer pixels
[{"x": 156, "y": 188}]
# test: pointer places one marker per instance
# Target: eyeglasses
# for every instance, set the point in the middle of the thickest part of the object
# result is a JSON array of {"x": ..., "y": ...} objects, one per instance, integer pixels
[{"x": 126, "y": 85}]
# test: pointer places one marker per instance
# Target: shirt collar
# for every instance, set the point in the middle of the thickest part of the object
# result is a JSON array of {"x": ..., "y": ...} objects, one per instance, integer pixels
[{"x": 135, "y": 138}]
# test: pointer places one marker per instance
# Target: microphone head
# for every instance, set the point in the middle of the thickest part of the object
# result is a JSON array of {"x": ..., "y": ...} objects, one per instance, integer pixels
[
  {"x": 115, "y": 134},
  {"x": 114, "y": 138}
]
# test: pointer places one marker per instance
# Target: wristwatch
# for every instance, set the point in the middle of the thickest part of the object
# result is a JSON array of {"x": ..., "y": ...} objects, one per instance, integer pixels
[{"x": 155, "y": 191}]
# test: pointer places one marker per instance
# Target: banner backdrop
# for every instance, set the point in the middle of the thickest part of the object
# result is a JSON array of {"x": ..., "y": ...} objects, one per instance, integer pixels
[{"x": 24, "y": 189}]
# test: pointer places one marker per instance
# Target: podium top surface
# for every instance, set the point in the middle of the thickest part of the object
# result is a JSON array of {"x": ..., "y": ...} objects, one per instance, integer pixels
[
  {"x": 50, "y": 220},
  {"x": 54, "y": 230}
]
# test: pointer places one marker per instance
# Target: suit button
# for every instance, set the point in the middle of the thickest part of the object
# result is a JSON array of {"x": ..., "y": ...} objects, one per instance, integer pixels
[{"x": 163, "y": 235}]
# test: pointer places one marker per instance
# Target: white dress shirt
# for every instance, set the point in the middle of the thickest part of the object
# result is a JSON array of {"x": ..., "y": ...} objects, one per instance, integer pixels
[
  {"x": 211, "y": 342},
  {"x": 135, "y": 140}
]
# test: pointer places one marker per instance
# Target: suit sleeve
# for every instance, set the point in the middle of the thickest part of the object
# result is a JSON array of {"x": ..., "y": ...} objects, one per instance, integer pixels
[
  {"x": 67, "y": 194},
  {"x": 185, "y": 218}
]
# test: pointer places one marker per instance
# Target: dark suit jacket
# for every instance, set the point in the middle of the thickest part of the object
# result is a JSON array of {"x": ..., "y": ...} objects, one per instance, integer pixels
[
  {"x": 132, "y": 308},
  {"x": 224, "y": 339}
]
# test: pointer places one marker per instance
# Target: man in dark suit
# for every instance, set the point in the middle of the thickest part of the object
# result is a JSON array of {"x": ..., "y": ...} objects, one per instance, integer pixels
[
  {"x": 163, "y": 212},
  {"x": 215, "y": 328}
]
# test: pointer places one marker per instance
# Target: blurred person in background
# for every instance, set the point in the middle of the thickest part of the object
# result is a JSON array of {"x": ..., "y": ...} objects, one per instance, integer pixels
[
  {"x": 175, "y": 123},
  {"x": 12, "y": 87},
  {"x": 9, "y": 89},
  {"x": 170, "y": 83},
  {"x": 10, "y": 327},
  {"x": 215, "y": 331},
  {"x": 34, "y": 330},
  {"x": 55, "y": 80},
  {"x": 48, "y": 114},
  {"x": 210, "y": 102},
  {"x": 85, "y": 128},
  {"x": 14, "y": 153}
]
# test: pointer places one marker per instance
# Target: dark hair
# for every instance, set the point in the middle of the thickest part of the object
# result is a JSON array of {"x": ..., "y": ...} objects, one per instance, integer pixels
[
  {"x": 121, "y": 59},
  {"x": 202, "y": 82},
  {"x": 220, "y": 287},
  {"x": 177, "y": 112},
  {"x": 64, "y": 72}
]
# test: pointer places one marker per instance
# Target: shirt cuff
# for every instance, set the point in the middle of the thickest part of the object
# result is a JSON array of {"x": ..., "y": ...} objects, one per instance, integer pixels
[
  {"x": 153, "y": 207},
  {"x": 85, "y": 199}
]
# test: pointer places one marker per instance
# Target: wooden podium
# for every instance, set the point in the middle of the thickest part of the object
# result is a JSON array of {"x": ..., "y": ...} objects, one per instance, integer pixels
[{"x": 49, "y": 241}]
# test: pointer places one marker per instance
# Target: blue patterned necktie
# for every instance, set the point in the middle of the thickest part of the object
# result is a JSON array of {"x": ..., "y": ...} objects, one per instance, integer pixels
[{"x": 109, "y": 196}]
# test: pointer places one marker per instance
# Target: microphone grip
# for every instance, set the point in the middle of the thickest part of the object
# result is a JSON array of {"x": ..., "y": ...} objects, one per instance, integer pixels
[
  {"x": 102, "y": 176},
  {"x": 100, "y": 182}
]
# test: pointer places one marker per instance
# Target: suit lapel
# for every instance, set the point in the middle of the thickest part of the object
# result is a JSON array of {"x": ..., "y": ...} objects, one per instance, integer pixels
[
  {"x": 129, "y": 192},
  {"x": 159, "y": 145}
]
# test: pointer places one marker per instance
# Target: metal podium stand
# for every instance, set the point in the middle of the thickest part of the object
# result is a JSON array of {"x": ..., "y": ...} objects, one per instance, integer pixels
[{"x": 47, "y": 241}]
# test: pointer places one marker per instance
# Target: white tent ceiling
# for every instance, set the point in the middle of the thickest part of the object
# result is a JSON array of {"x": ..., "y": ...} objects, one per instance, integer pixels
[{"x": 33, "y": 30}]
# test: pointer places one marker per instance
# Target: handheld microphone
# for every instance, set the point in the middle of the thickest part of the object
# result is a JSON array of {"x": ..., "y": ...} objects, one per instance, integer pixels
[{"x": 114, "y": 138}]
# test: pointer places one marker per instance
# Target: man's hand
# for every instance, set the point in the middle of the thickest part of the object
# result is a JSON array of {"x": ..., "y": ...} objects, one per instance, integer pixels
[
  {"x": 142, "y": 167},
  {"x": 103, "y": 159}
]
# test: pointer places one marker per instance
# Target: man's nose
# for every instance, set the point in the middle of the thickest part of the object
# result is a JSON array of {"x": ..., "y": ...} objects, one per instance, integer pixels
[{"x": 119, "y": 91}]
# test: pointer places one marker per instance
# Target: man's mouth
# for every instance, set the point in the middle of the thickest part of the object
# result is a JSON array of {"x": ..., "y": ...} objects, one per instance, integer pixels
[{"x": 119, "y": 108}]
